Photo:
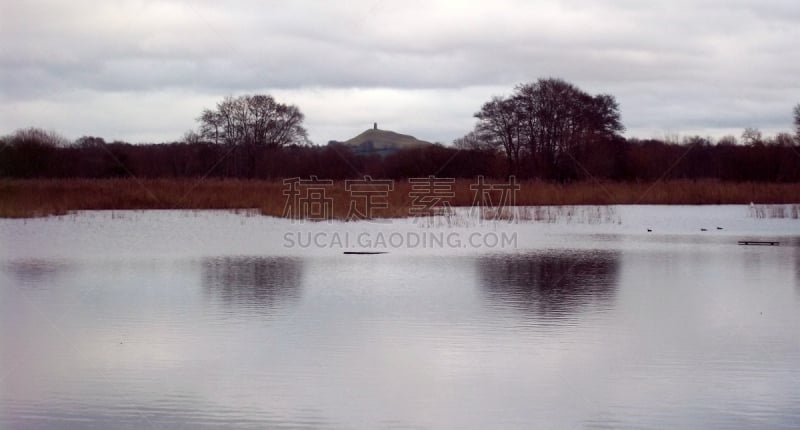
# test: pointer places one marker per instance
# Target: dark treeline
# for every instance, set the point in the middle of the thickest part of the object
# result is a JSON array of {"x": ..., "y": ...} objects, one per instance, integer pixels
[
  {"x": 548, "y": 130},
  {"x": 33, "y": 154},
  {"x": 24, "y": 156}
]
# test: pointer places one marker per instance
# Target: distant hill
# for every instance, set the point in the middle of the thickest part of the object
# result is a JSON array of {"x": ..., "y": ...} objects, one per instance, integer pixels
[{"x": 381, "y": 142}]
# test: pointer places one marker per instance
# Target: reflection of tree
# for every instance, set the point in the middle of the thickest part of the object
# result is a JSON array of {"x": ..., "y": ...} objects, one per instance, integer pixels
[
  {"x": 35, "y": 272},
  {"x": 551, "y": 285},
  {"x": 253, "y": 282},
  {"x": 797, "y": 266}
]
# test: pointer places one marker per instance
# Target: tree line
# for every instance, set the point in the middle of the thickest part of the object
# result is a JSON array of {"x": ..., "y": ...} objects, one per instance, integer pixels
[{"x": 548, "y": 130}]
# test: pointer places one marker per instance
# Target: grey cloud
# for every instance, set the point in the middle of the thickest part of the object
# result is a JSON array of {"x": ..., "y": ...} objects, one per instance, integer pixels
[{"x": 674, "y": 65}]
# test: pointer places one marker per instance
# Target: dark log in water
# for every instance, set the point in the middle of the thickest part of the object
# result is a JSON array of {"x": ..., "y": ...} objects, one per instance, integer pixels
[
  {"x": 757, "y": 242},
  {"x": 363, "y": 252}
]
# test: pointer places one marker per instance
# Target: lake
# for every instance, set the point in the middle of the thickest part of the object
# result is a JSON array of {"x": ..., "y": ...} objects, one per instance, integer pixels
[{"x": 199, "y": 320}]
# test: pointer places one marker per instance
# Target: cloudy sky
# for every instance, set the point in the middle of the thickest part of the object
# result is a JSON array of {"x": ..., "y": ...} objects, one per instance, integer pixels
[{"x": 144, "y": 70}]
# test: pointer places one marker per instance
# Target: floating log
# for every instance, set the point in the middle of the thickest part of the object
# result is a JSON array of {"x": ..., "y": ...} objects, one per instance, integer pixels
[
  {"x": 759, "y": 242},
  {"x": 363, "y": 252}
]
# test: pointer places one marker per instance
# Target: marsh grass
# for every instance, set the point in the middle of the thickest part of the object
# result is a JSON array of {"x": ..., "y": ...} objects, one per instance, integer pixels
[
  {"x": 570, "y": 214},
  {"x": 32, "y": 198},
  {"x": 775, "y": 211}
]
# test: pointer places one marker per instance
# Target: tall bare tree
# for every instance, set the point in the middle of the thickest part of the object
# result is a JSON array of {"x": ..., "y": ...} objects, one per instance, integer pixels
[
  {"x": 549, "y": 120},
  {"x": 253, "y": 120},
  {"x": 252, "y": 124},
  {"x": 500, "y": 125},
  {"x": 752, "y": 136}
]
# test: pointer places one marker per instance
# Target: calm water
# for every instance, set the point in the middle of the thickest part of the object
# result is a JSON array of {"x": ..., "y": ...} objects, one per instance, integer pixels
[{"x": 604, "y": 332}]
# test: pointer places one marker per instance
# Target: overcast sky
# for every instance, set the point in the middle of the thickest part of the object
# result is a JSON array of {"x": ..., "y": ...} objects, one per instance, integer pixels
[{"x": 144, "y": 70}]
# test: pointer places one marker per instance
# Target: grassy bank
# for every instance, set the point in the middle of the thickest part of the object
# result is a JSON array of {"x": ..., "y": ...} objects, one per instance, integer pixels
[{"x": 30, "y": 198}]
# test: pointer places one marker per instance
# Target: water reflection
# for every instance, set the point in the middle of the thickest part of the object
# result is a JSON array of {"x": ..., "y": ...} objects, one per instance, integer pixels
[
  {"x": 551, "y": 285},
  {"x": 35, "y": 272},
  {"x": 253, "y": 282},
  {"x": 797, "y": 270}
]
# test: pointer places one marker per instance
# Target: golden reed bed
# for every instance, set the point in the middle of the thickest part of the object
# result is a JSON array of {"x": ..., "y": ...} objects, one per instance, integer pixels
[{"x": 32, "y": 198}]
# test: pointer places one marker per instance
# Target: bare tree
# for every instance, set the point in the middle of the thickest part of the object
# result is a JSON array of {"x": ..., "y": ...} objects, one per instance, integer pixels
[
  {"x": 252, "y": 125},
  {"x": 275, "y": 124},
  {"x": 32, "y": 151},
  {"x": 551, "y": 121},
  {"x": 499, "y": 122},
  {"x": 782, "y": 139},
  {"x": 210, "y": 125},
  {"x": 191, "y": 137},
  {"x": 473, "y": 141},
  {"x": 253, "y": 120},
  {"x": 560, "y": 118},
  {"x": 752, "y": 136},
  {"x": 38, "y": 136},
  {"x": 797, "y": 123}
]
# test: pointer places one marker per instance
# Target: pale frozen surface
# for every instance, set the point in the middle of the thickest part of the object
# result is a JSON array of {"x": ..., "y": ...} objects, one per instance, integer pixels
[{"x": 114, "y": 234}]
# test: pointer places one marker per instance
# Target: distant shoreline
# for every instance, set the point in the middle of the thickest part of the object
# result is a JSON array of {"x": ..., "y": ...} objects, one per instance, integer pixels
[{"x": 21, "y": 198}]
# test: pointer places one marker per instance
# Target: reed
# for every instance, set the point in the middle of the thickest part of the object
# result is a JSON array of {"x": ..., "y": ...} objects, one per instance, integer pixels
[{"x": 32, "y": 198}]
